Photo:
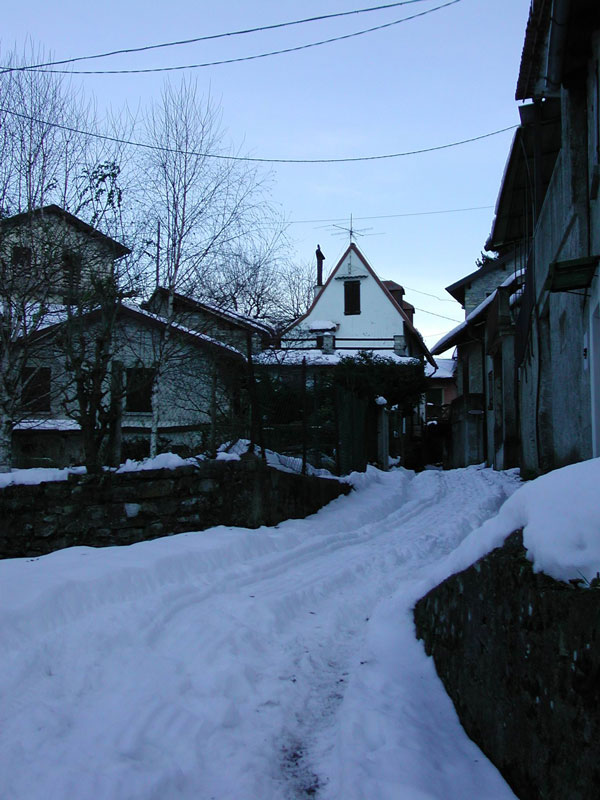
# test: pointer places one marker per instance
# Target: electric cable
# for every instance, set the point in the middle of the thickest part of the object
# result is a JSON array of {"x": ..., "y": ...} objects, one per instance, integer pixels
[
  {"x": 283, "y": 51},
  {"x": 433, "y": 314},
  {"x": 220, "y": 156},
  {"x": 127, "y": 50},
  {"x": 392, "y": 216}
]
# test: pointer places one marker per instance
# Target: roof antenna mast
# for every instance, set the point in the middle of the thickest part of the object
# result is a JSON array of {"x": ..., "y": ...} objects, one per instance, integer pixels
[{"x": 351, "y": 231}]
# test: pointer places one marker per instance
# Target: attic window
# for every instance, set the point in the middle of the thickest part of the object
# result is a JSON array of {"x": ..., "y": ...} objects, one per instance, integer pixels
[{"x": 352, "y": 297}]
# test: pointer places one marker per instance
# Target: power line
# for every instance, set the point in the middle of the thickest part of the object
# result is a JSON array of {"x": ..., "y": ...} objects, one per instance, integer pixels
[
  {"x": 177, "y": 151},
  {"x": 392, "y": 216},
  {"x": 246, "y": 58},
  {"x": 242, "y": 32},
  {"x": 433, "y": 314},
  {"x": 427, "y": 294}
]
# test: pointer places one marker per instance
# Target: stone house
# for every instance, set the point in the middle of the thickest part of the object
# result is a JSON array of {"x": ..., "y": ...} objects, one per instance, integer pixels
[
  {"x": 48, "y": 254},
  {"x": 198, "y": 397},
  {"x": 61, "y": 281},
  {"x": 557, "y": 343},
  {"x": 538, "y": 335},
  {"x": 483, "y": 415}
]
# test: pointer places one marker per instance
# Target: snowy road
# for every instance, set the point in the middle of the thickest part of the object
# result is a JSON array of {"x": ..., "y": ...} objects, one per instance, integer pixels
[{"x": 244, "y": 665}]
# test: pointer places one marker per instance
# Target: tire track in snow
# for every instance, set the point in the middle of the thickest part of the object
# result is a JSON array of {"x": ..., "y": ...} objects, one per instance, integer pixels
[{"x": 234, "y": 652}]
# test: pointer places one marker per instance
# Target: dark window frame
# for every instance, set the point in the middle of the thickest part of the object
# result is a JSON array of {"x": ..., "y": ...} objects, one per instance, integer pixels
[
  {"x": 21, "y": 256},
  {"x": 71, "y": 274},
  {"x": 351, "y": 298},
  {"x": 36, "y": 385},
  {"x": 138, "y": 394}
]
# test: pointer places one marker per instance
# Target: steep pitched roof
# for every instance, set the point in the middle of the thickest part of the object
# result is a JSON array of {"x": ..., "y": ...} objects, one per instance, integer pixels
[
  {"x": 193, "y": 304},
  {"x": 118, "y": 249},
  {"x": 352, "y": 248}
]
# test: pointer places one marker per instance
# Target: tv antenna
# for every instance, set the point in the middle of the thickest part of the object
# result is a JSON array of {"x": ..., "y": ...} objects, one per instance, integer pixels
[{"x": 351, "y": 231}]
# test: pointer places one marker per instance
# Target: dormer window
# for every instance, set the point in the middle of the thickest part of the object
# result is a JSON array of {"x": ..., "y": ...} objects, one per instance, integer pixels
[{"x": 352, "y": 297}]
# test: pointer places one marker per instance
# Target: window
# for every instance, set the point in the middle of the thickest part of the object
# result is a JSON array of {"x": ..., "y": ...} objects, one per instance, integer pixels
[
  {"x": 71, "y": 268},
  {"x": 21, "y": 257},
  {"x": 320, "y": 341},
  {"x": 35, "y": 390},
  {"x": 139, "y": 389},
  {"x": 352, "y": 297}
]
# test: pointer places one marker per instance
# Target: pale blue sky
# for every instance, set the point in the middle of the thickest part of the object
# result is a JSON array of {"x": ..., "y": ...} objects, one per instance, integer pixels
[{"x": 447, "y": 76}]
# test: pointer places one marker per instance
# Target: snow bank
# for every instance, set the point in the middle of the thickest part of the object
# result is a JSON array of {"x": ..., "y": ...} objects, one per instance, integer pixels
[
  {"x": 37, "y": 475},
  {"x": 560, "y": 516},
  {"x": 161, "y": 461},
  {"x": 232, "y": 452}
]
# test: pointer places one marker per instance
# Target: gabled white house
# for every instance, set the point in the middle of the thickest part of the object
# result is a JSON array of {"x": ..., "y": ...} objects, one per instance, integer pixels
[{"x": 354, "y": 311}]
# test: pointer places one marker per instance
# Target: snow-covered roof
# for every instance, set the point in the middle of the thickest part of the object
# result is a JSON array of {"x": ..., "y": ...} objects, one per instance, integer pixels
[
  {"x": 322, "y": 325},
  {"x": 448, "y": 340},
  {"x": 446, "y": 368},
  {"x": 262, "y": 326},
  {"x": 59, "y": 315},
  {"x": 514, "y": 276},
  {"x": 203, "y": 337},
  {"x": 47, "y": 425},
  {"x": 316, "y": 358}
]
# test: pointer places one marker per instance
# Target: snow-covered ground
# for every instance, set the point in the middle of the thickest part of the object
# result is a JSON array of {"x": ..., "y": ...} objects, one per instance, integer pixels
[{"x": 245, "y": 665}]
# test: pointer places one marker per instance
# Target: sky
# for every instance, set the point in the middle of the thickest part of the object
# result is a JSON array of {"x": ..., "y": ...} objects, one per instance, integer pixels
[{"x": 443, "y": 77}]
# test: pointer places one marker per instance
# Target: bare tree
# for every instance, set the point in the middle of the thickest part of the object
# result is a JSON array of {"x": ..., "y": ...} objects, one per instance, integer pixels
[
  {"x": 37, "y": 163},
  {"x": 200, "y": 205},
  {"x": 295, "y": 290},
  {"x": 249, "y": 278},
  {"x": 45, "y": 164}
]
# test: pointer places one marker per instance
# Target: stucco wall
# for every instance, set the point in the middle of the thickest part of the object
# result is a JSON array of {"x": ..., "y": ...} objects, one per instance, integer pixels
[
  {"x": 184, "y": 391},
  {"x": 378, "y": 320}
]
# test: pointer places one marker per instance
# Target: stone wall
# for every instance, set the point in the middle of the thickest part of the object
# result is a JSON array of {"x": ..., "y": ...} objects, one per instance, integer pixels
[
  {"x": 519, "y": 655},
  {"x": 483, "y": 284},
  {"x": 119, "y": 509}
]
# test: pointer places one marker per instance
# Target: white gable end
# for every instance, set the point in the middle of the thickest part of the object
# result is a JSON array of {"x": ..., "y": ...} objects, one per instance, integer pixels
[{"x": 364, "y": 315}]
